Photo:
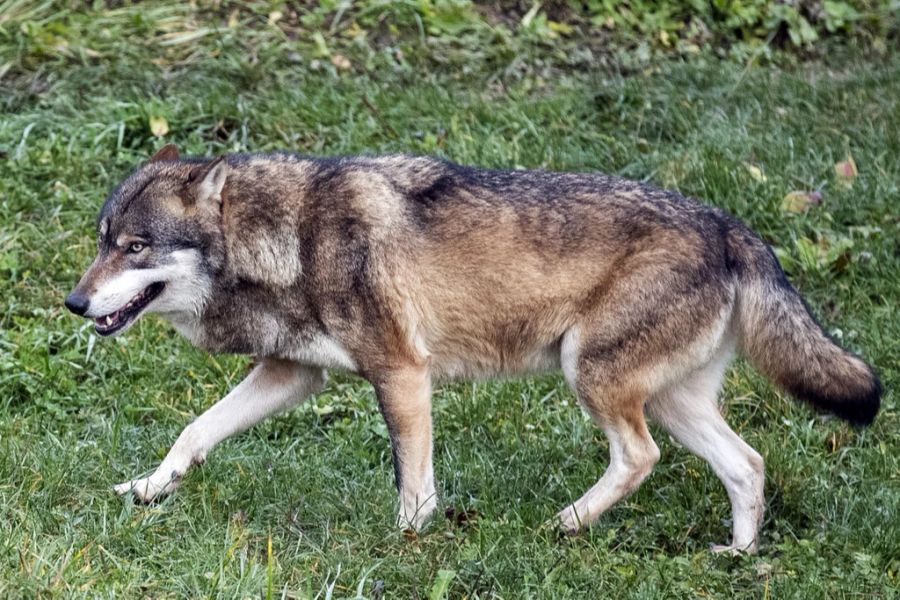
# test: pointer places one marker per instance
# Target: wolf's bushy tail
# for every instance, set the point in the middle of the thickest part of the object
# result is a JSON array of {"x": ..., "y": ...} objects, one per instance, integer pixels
[{"x": 780, "y": 337}]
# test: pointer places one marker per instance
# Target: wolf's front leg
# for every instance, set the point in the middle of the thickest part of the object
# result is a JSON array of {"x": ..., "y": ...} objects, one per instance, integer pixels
[
  {"x": 273, "y": 385},
  {"x": 404, "y": 396}
]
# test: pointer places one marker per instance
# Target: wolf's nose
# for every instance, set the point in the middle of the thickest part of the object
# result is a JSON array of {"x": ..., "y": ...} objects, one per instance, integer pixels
[{"x": 77, "y": 303}]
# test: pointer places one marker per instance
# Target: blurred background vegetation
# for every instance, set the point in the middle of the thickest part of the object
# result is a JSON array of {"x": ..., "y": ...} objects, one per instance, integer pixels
[{"x": 343, "y": 34}]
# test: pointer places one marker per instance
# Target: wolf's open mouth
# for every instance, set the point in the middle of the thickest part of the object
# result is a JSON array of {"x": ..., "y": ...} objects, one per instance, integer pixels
[{"x": 113, "y": 322}]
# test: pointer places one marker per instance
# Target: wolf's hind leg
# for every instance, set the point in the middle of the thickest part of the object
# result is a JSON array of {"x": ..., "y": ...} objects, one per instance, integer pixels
[
  {"x": 646, "y": 330},
  {"x": 404, "y": 396},
  {"x": 632, "y": 454},
  {"x": 689, "y": 411},
  {"x": 616, "y": 405},
  {"x": 273, "y": 385}
]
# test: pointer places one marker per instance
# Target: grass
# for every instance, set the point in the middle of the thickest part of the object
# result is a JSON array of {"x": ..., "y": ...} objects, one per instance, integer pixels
[{"x": 303, "y": 505}]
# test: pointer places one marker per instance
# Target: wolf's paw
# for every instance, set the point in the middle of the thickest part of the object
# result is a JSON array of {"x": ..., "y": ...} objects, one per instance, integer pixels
[
  {"x": 150, "y": 488},
  {"x": 734, "y": 549},
  {"x": 414, "y": 517},
  {"x": 566, "y": 521}
]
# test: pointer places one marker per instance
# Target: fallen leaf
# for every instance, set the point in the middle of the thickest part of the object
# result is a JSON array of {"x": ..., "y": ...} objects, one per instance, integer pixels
[
  {"x": 340, "y": 61},
  {"x": 798, "y": 201},
  {"x": 462, "y": 517},
  {"x": 846, "y": 172},
  {"x": 756, "y": 173},
  {"x": 275, "y": 16},
  {"x": 837, "y": 440},
  {"x": 410, "y": 534},
  {"x": 159, "y": 126},
  {"x": 353, "y": 31},
  {"x": 563, "y": 28}
]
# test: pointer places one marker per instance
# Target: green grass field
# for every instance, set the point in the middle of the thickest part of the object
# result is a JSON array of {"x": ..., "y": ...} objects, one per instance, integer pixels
[{"x": 303, "y": 505}]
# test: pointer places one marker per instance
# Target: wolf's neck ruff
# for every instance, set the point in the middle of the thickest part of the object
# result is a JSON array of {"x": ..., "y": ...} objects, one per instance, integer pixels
[{"x": 409, "y": 270}]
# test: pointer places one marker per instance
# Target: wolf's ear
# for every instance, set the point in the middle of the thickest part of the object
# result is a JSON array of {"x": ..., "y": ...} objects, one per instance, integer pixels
[
  {"x": 167, "y": 152},
  {"x": 207, "y": 180}
]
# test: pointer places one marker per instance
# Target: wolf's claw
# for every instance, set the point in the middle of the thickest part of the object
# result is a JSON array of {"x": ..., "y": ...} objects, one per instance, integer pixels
[
  {"x": 150, "y": 488},
  {"x": 566, "y": 521}
]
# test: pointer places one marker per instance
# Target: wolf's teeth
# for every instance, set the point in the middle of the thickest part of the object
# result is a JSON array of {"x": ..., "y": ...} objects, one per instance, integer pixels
[{"x": 108, "y": 320}]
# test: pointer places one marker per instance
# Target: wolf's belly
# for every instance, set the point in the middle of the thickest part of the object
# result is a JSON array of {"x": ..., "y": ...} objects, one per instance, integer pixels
[{"x": 486, "y": 364}]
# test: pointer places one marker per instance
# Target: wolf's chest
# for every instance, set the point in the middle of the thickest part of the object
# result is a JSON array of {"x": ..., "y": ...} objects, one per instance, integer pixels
[
  {"x": 321, "y": 351},
  {"x": 187, "y": 326},
  {"x": 265, "y": 335}
]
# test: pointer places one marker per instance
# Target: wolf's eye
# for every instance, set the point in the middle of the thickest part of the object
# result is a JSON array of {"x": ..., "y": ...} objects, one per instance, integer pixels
[{"x": 135, "y": 247}]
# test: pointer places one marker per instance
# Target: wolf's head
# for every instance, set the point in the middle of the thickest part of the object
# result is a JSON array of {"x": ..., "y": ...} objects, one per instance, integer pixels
[{"x": 159, "y": 238}]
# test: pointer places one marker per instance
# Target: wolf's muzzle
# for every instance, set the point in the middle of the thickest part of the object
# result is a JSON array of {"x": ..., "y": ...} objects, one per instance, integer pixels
[{"x": 78, "y": 303}]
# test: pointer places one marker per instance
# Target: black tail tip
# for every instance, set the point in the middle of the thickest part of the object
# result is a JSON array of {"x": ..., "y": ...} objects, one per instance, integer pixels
[
  {"x": 864, "y": 408},
  {"x": 859, "y": 408}
]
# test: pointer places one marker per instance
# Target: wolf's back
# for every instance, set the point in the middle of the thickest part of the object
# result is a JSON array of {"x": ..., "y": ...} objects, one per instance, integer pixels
[{"x": 782, "y": 339}]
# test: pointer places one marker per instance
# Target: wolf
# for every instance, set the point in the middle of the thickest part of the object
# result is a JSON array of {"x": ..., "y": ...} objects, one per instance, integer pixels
[{"x": 411, "y": 270}]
